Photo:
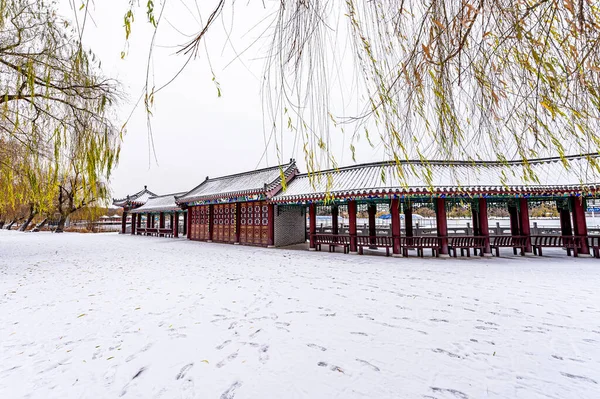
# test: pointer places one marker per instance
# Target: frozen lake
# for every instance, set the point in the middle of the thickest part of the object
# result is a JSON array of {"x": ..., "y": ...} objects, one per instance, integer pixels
[{"x": 108, "y": 316}]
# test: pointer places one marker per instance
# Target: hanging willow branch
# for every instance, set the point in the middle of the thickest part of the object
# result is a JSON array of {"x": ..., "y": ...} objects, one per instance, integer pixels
[{"x": 439, "y": 79}]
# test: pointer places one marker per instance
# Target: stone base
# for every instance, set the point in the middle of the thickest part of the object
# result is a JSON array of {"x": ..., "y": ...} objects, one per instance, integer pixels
[
  {"x": 270, "y": 246},
  {"x": 353, "y": 253},
  {"x": 236, "y": 243},
  {"x": 397, "y": 256},
  {"x": 485, "y": 255},
  {"x": 208, "y": 240},
  {"x": 444, "y": 255},
  {"x": 312, "y": 249},
  {"x": 529, "y": 254},
  {"x": 584, "y": 255}
]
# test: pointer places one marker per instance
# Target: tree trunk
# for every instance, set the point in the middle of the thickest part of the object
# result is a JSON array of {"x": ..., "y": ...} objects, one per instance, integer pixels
[
  {"x": 27, "y": 221},
  {"x": 39, "y": 226},
  {"x": 10, "y": 225},
  {"x": 61, "y": 224},
  {"x": 1, "y": 224}
]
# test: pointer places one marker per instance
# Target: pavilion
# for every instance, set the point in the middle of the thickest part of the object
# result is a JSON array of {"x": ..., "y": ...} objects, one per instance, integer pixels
[
  {"x": 131, "y": 202},
  {"x": 237, "y": 209},
  {"x": 566, "y": 183},
  {"x": 156, "y": 209}
]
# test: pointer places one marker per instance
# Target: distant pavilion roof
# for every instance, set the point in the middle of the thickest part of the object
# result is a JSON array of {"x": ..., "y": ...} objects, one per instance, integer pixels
[
  {"x": 136, "y": 199},
  {"x": 452, "y": 178},
  {"x": 159, "y": 203},
  {"x": 265, "y": 181}
]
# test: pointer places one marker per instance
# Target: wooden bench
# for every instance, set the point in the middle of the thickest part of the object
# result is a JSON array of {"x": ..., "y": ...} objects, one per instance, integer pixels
[
  {"x": 571, "y": 243},
  {"x": 332, "y": 240},
  {"x": 162, "y": 232},
  {"x": 420, "y": 243},
  {"x": 375, "y": 241},
  {"x": 465, "y": 243},
  {"x": 516, "y": 242},
  {"x": 594, "y": 244},
  {"x": 141, "y": 231}
]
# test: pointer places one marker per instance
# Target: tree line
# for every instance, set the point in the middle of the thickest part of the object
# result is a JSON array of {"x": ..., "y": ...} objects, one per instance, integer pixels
[{"x": 58, "y": 139}]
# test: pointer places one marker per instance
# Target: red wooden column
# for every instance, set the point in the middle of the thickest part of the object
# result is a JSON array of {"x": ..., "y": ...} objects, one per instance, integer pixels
[
  {"x": 514, "y": 220},
  {"x": 133, "y": 223},
  {"x": 395, "y": 214},
  {"x": 148, "y": 223},
  {"x": 175, "y": 224},
  {"x": 171, "y": 220},
  {"x": 238, "y": 207},
  {"x": 372, "y": 211},
  {"x": 580, "y": 224},
  {"x": 161, "y": 220},
  {"x": 524, "y": 223},
  {"x": 565, "y": 222},
  {"x": 352, "y": 226},
  {"x": 187, "y": 220},
  {"x": 408, "y": 220},
  {"x": 475, "y": 217},
  {"x": 483, "y": 226},
  {"x": 334, "y": 219},
  {"x": 271, "y": 225},
  {"x": 211, "y": 213},
  {"x": 312, "y": 225},
  {"x": 442, "y": 225},
  {"x": 186, "y": 226},
  {"x": 124, "y": 221},
  {"x": 139, "y": 220}
]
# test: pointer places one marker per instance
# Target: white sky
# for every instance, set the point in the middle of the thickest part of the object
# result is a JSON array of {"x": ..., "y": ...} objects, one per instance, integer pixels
[{"x": 196, "y": 133}]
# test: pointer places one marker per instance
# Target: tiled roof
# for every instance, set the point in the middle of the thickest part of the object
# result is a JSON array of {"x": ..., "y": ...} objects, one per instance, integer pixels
[
  {"x": 261, "y": 181},
  {"x": 446, "y": 177},
  {"x": 159, "y": 203},
  {"x": 138, "y": 198}
]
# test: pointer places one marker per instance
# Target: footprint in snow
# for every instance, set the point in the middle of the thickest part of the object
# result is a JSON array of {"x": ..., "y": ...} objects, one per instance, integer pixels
[
  {"x": 263, "y": 356},
  {"x": 224, "y": 344},
  {"x": 368, "y": 364},
  {"x": 227, "y": 360},
  {"x": 230, "y": 392},
  {"x": 457, "y": 394},
  {"x": 184, "y": 370},
  {"x": 315, "y": 346}
]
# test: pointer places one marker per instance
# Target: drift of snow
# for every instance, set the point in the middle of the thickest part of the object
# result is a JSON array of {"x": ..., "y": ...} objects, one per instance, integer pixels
[{"x": 106, "y": 315}]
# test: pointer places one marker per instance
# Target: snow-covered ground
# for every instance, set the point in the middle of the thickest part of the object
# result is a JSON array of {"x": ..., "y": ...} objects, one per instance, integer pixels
[{"x": 107, "y": 316}]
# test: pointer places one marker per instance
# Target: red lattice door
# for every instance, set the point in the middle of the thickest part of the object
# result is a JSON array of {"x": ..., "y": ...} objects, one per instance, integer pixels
[
  {"x": 224, "y": 222},
  {"x": 203, "y": 219},
  {"x": 254, "y": 223}
]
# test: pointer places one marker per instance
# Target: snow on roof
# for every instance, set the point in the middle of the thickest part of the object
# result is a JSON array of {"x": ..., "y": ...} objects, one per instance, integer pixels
[
  {"x": 138, "y": 198},
  {"x": 446, "y": 177},
  {"x": 259, "y": 181},
  {"x": 159, "y": 203}
]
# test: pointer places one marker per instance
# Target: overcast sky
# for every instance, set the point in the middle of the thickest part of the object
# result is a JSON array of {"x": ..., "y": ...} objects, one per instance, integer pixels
[{"x": 196, "y": 133}]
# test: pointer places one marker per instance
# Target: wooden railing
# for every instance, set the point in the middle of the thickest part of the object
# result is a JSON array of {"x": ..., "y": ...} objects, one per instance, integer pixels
[
  {"x": 386, "y": 242},
  {"x": 571, "y": 243},
  {"x": 332, "y": 240},
  {"x": 466, "y": 243},
  {"x": 420, "y": 243},
  {"x": 514, "y": 242}
]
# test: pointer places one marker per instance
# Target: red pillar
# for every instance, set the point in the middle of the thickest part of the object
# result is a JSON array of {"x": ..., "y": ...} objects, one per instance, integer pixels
[
  {"x": 133, "y": 223},
  {"x": 148, "y": 222},
  {"x": 475, "y": 218},
  {"x": 312, "y": 225},
  {"x": 211, "y": 214},
  {"x": 352, "y": 225},
  {"x": 408, "y": 221},
  {"x": 271, "y": 225},
  {"x": 442, "y": 225},
  {"x": 395, "y": 214},
  {"x": 139, "y": 220},
  {"x": 372, "y": 211},
  {"x": 334, "y": 219},
  {"x": 580, "y": 224},
  {"x": 124, "y": 221},
  {"x": 238, "y": 206},
  {"x": 175, "y": 224},
  {"x": 483, "y": 226},
  {"x": 514, "y": 220},
  {"x": 565, "y": 222},
  {"x": 171, "y": 220},
  {"x": 524, "y": 222},
  {"x": 161, "y": 220},
  {"x": 186, "y": 223}
]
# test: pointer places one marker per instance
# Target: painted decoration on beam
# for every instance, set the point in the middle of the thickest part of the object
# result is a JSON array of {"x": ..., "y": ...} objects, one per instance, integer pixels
[{"x": 246, "y": 198}]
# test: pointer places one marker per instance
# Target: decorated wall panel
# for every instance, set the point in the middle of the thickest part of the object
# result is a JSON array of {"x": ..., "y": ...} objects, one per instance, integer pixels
[
  {"x": 224, "y": 222},
  {"x": 199, "y": 226},
  {"x": 254, "y": 223}
]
